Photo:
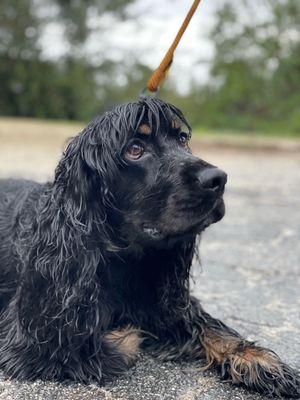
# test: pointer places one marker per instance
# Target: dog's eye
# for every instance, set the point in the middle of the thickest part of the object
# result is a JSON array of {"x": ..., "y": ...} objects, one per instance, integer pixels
[
  {"x": 134, "y": 151},
  {"x": 183, "y": 138}
]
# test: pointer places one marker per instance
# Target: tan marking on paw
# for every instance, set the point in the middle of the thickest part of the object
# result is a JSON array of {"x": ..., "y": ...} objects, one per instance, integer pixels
[
  {"x": 247, "y": 361},
  {"x": 217, "y": 348},
  {"x": 243, "y": 358},
  {"x": 127, "y": 341}
]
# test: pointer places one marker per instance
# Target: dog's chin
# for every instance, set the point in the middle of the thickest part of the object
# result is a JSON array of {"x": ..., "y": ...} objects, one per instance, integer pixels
[
  {"x": 217, "y": 212},
  {"x": 155, "y": 234}
]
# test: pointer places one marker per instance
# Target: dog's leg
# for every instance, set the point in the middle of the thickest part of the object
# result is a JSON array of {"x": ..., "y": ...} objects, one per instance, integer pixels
[
  {"x": 98, "y": 356},
  {"x": 238, "y": 360},
  {"x": 118, "y": 351}
]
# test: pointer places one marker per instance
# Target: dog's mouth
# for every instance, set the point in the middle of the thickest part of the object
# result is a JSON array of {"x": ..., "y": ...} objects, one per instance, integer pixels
[
  {"x": 152, "y": 231},
  {"x": 215, "y": 214}
]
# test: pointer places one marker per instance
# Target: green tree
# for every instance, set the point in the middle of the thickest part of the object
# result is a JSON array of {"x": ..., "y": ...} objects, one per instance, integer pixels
[
  {"x": 255, "y": 70},
  {"x": 31, "y": 86}
]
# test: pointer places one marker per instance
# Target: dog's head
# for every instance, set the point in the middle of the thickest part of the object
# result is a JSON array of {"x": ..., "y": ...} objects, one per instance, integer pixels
[{"x": 135, "y": 162}]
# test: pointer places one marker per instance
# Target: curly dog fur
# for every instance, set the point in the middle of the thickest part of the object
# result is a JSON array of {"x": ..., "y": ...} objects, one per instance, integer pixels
[{"x": 103, "y": 253}]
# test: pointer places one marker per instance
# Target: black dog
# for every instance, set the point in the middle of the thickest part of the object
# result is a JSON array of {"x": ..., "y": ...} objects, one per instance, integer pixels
[{"x": 100, "y": 257}]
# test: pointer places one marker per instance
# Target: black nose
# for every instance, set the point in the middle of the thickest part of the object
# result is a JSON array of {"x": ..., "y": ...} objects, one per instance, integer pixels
[{"x": 213, "y": 178}]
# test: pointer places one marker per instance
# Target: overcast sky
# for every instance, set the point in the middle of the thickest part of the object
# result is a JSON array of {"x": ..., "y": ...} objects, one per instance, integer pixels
[{"x": 149, "y": 35}]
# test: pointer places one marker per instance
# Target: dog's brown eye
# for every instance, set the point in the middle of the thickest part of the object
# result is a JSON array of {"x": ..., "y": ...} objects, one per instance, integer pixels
[
  {"x": 134, "y": 152},
  {"x": 184, "y": 138}
]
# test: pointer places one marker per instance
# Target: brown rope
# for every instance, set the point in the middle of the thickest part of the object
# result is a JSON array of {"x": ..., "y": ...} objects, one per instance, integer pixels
[{"x": 159, "y": 75}]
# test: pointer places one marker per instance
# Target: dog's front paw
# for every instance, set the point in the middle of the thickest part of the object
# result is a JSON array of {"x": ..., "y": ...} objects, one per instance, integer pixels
[{"x": 260, "y": 369}]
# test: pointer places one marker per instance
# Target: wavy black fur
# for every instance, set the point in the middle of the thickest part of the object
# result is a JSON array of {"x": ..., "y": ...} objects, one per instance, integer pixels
[{"x": 109, "y": 244}]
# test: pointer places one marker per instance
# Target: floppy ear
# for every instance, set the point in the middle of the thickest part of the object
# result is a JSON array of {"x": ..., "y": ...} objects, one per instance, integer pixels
[
  {"x": 77, "y": 176},
  {"x": 82, "y": 180}
]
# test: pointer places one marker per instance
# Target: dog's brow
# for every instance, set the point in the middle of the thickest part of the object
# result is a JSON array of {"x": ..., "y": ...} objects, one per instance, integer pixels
[
  {"x": 144, "y": 129},
  {"x": 175, "y": 124}
]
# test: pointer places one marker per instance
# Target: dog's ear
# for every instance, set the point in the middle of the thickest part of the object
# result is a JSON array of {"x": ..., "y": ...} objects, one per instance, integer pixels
[
  {"x": 82, "y": 177},
  {"x": 76, "y": 174}
]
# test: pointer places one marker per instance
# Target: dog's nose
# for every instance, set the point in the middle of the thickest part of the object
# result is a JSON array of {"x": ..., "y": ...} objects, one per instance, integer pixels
[{"x": 212, "y": 178}]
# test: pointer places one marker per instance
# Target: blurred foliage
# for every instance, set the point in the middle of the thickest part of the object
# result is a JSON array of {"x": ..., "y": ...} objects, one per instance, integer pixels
[
  {"x": 31, "y": 86},
  {"x": 255, "y": 72},
  {"x": 256, "y": 69}
]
